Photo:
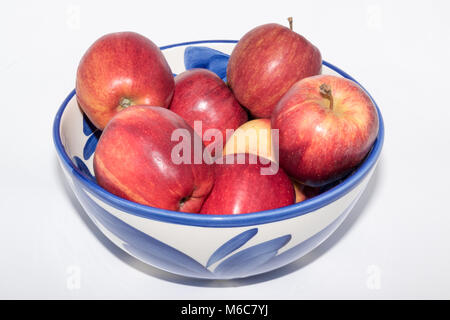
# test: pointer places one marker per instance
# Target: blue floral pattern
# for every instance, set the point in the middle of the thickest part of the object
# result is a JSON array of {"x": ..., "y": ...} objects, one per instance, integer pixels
[
  {"x": 257, "y": 258},
  {"x": 93, "y": 133},
  {"x": 161, "y": 255},
  {"x": 139, "y": 244},
  {"x": 83, "y": 168},
  {"x": 246, "y": 261},
  {"x": 231, "y": 245},
  {"x": 207, "y": 58},
  {"x": 305, "y": 246}
]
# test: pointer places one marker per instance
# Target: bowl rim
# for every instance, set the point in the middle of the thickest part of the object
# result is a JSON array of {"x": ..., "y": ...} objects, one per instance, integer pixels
[{"x": 242, "y": 220}]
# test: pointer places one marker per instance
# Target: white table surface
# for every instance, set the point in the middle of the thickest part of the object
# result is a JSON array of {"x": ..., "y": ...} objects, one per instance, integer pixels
[{"x": 395, "y": 243}]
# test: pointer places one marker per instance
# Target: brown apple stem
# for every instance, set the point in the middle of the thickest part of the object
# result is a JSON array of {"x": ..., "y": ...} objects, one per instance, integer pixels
[
  {"x": 290, "y": 23},
  {"x": 325, "y": 91}
]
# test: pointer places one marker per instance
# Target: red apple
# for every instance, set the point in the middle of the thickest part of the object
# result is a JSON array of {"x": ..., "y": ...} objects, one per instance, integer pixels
[
  {"x": 327, "y": 125},
  {"x": 240, "y": 187},
  {"x": 200, "y": 95},
  {"x": 266, "y": 62},
  {"x": 133, "y": 160},
  {"x": 120, "y": 70}
]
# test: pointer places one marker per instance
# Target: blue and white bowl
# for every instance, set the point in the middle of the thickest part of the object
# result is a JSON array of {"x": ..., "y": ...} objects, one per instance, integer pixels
[{"x": 204, "y": 246}]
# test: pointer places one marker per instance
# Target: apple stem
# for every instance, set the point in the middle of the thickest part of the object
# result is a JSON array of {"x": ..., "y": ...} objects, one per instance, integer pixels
[
  {"x": 182, "y": 202},
  {"x": 125, "y": 103},
  {"x": 325, "y": 91},
  {"x": 290, "y": 23}
]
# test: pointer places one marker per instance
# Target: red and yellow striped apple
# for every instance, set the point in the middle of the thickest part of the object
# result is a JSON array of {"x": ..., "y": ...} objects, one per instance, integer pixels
[
  {"x": 240, "y": 187},
  {"x": 200, "y": 95},
  {"x": 119, "y": 70},
  {"x": 266, "y": 62},
  {"x": 134, "y": 160},
  {"x": 327, "y": 125}
]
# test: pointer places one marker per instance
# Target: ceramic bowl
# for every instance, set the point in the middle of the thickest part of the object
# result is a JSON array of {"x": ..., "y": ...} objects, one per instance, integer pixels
[{"x": 204, "y": 246}]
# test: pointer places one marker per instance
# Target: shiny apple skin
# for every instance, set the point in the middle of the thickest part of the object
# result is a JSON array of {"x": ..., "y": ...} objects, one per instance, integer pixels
[
  {"x": 261, "y": 146},
  {"x": 200, "y": 95},
  {"x": 133, "y": 161},
  {"x": 266, "y": 62},
  {"x": 240, "y": 188},
  {"x": 318, "y": 145},
  {"x": 123, "y": 65}
]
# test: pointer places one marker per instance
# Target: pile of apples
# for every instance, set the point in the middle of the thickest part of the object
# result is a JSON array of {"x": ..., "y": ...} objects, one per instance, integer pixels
[{"x": 325, "y": 125}]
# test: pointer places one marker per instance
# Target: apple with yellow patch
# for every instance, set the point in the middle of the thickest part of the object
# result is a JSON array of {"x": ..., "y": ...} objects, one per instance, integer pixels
[
  {"x": 303, "y": 192},
  {"x": 254, "y": 137}
]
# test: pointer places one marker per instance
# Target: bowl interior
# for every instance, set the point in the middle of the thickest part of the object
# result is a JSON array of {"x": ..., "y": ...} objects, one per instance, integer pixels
[{"x": 75, "y": 140}]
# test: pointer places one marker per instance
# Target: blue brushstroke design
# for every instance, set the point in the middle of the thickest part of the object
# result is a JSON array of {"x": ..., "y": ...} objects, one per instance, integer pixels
[
  {"x": 83, "y": 168},
  {"x": 88, "y": 127},
  {"x": 231, "y": 245},
  {"x": 218, "y": 65},
  {"x": 93, "y": 133},
  {"x": 206, "y": 58},
  {"x": 246, "y": 261},
  {"x": 91, "y": 144},
  {"x": 306, "y": 246},
  {"x": 138, "y": 243}
]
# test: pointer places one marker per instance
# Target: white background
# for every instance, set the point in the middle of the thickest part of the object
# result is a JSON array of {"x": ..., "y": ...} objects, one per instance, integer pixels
[{"x": 395, "y": 243}]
